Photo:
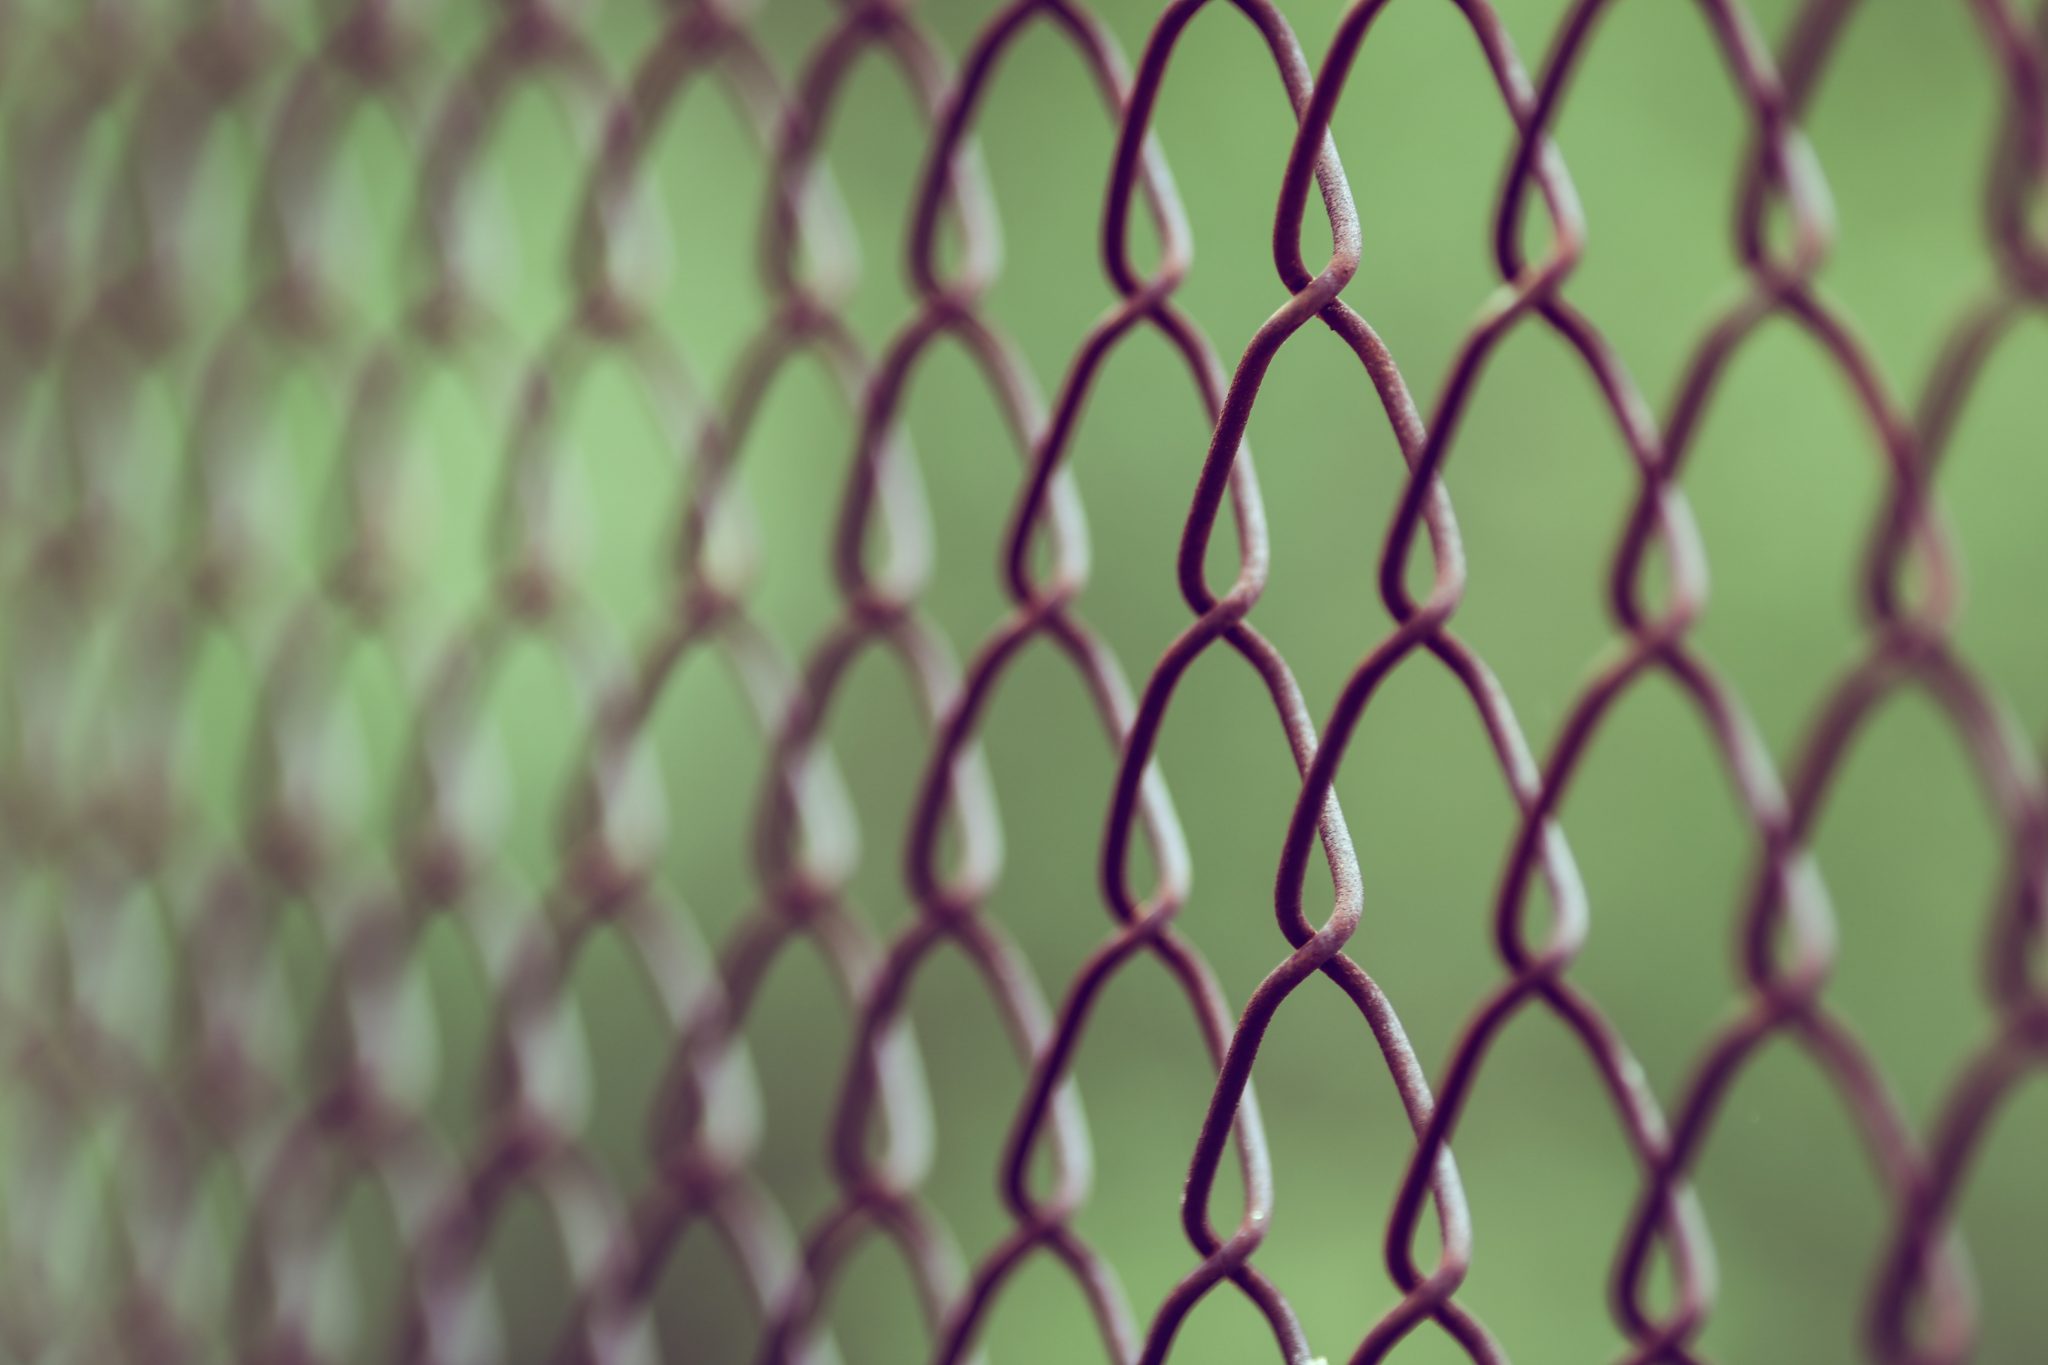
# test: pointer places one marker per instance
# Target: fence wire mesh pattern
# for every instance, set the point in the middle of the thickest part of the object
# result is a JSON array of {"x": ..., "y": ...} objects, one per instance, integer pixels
[{"x": 295, "y": 1012}]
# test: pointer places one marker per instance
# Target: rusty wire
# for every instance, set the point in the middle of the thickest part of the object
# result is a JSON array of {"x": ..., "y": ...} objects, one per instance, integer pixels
[{"x": 95, "y": 567}]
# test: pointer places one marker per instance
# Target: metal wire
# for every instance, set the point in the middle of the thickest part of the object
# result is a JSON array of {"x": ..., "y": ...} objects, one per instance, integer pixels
[{"x": 99, "y": 829}]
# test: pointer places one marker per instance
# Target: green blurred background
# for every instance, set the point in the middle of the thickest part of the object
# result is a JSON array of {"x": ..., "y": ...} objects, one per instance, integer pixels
[{"x": 1785, "y": 482}]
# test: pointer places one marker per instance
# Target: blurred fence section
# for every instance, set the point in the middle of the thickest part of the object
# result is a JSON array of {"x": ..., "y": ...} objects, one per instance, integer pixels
[{"x": 344, "y": 729}]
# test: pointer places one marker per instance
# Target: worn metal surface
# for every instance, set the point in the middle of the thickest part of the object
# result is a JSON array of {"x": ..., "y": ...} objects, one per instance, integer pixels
[{"x": 101, "y": 319}]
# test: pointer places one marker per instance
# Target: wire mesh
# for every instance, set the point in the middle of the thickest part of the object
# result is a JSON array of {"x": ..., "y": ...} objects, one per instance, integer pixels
[{"x": 151, "y": 1049}]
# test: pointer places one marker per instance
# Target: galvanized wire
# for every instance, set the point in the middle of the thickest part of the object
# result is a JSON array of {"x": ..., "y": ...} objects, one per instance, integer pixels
[{"x": 121, "y": 571}]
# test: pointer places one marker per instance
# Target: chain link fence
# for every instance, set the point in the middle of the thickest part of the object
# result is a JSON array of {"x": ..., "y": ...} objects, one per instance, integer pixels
[{"x": 296, "y": 1004}]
